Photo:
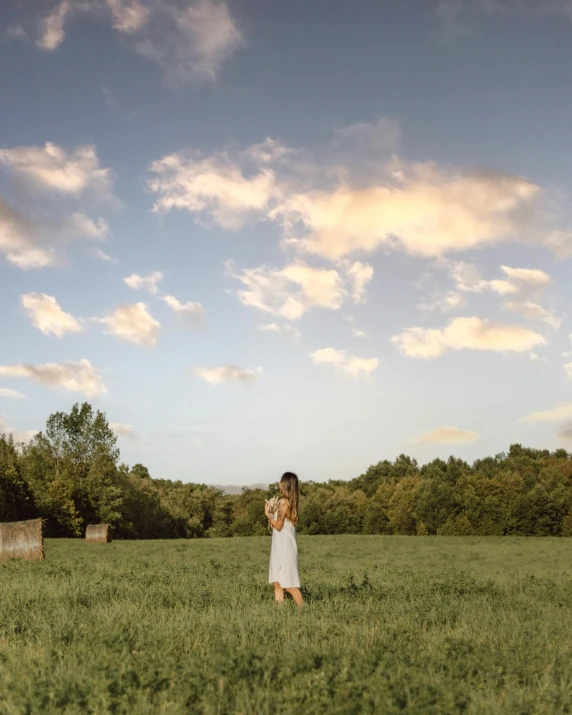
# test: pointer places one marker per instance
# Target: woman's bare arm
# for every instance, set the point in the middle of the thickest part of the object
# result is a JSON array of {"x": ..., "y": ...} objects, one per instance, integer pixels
[{"x": 278, "y": 522}]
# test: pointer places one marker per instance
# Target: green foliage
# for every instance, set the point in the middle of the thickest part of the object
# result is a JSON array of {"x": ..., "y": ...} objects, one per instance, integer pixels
[
  {"x": 70, "y": 475},
  {"x": 15, "y": 497},
  {"x": 436, "y": 626}
]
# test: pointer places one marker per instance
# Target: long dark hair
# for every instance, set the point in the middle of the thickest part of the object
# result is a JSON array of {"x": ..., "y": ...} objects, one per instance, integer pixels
[{"x": 289, "y": 489}]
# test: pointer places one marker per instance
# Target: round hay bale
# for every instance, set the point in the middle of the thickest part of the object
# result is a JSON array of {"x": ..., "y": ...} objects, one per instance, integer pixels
[
  {"x": 22, "y": 540},
  {"x": 98, "y": 533}
]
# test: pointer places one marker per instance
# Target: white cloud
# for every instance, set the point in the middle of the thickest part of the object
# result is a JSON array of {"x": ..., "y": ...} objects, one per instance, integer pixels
[
  {"x": 381, "y": 136},
  {"x": 147, "y": 283},
  {"x": 428, "y": 210},
  {"x": 133, "y": 323},
  {"x": 13, "y": 394},
  {"x": 466, "y": 334},
  {"x": 19, "y": 241},
  {"x": 340, "y": 359},
  {"x": 468, "y": 279},
  {"x": 560, "y": 412},
  {"x": 52, "y": 26},
  {"x": 527, "y": 276},
  {"x": 32, "y": 244},
  {"x": 46, "y": 315},
  {"x": 227, "y": 373},
  {"x": 535, "y": 357},
  {"x": 51, "y": 168},
  {"x": 560, "y": 243},
  {"x": 568, "y": 370},
  {"x": 290, "y": 292},
  {"x": 78, "y": 376},
  {"x": 290, "y": 331},
  {"x": 533, "y": 311},
  {"x": 88, "y": 228},
  {"x": 443, "y": 303},
  {"x": 337, "y": 205},
  {"x": 357, "y": 333},
  {"x": 448, "y": 435},
  {"x": 18, "y": 435},
  {"x": 103, "y": 256},
  {"x": 191, "y": 41},
  {"x": 123, "y": 430},
  {"x": 129, "y": 16},
  {"x": 212, "y": 187},
  {"x": 360, "y": 274},
  {"x": 192, "y": 312}
]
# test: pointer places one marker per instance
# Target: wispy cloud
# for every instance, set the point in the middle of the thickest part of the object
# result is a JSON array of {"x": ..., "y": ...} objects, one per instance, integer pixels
[
  {"x": 192, "y": 312},
  {"x": 336, "y": 206},
  {"x": 133, "y": 323},
  {"x": 442, "y": 302},
  {"x": 190, "y": 41},
  {"x": 122, "y": 430},
  {"x": 18, "y": 435},
  {"x": 466, "y": 334},
  {"x": 216, "y": 188},
  {"x": 534, "y": 311},
  {"x": 360, "y": 274},
  {"x": 45, "y": 313},
  {"x": 20, "y": 241},
  {"x": 103, "y": 256},
  {"x": 29, "y": 242},
  {"x": 290, "y": 331},
  {"x": 12, "y": 394},
  {"x": 340, "y": 359},
  {"x": 227, "y": 373},
  {"x": 519, "y": 283},
  {"x": 556, "y": 414},
  {"x": 79, "y": 376},
  {"x": 146, "y": 283},
  {"x": 292, "y": 291},
  {"x": 467, "y": 279},
  {"x": 52, "y": 168},
  {"x": 447, "y": 435}
]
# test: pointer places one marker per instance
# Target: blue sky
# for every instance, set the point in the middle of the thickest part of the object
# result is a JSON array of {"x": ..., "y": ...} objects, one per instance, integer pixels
[{"x": 306, "y": 236}]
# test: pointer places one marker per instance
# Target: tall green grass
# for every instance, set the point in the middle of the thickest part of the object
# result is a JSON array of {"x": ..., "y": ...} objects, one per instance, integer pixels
[{"x": 392, "y": 624}]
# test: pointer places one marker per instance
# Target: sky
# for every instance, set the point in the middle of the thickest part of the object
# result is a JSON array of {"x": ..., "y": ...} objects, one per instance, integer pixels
[{"x": 268, "y": 236}]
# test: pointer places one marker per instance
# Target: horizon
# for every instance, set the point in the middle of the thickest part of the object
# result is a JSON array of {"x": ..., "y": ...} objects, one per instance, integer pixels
[{"x": 261, "y": 237}]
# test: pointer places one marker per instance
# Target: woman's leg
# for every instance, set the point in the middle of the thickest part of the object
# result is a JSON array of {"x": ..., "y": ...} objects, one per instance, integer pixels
[
  {"x": 278, "y": 593},
  {"x": 296, "y": 595}
]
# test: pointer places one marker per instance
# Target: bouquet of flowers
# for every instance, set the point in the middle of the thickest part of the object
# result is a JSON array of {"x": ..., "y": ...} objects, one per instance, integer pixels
[{"x": 273, "y": 504}]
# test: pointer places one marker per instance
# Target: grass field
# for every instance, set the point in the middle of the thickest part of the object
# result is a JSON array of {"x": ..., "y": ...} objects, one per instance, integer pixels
[{"x": 392, "y": 624}]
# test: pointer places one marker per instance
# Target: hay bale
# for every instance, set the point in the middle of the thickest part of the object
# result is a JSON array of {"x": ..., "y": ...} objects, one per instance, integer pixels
[
  {"x": 22, "y": 540},
  {"x": 98, "y": 533}
]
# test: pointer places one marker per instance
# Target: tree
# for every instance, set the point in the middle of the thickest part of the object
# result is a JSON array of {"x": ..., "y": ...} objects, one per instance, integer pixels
[
  {"x": 71, "y": 468},
  {"x": 16, "y": 501}
]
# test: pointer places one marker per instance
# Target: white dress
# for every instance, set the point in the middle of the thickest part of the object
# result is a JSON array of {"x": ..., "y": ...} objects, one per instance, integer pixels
[{"x": 284, "y": 557}]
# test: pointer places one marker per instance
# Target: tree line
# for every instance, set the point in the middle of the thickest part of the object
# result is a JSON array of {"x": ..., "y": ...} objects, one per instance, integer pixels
[{"x": 70, "y": 475}]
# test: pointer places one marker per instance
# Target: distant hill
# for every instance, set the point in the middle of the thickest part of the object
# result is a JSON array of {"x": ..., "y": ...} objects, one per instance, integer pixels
[{"x": 236, "y": 488}]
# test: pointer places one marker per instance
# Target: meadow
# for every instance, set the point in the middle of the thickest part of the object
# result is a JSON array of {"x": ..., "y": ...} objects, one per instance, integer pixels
[{"x": 392, "y": 624}]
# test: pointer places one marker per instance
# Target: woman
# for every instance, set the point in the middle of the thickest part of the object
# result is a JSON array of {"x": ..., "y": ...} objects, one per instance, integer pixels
[{"x": 283, "y": 572}]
